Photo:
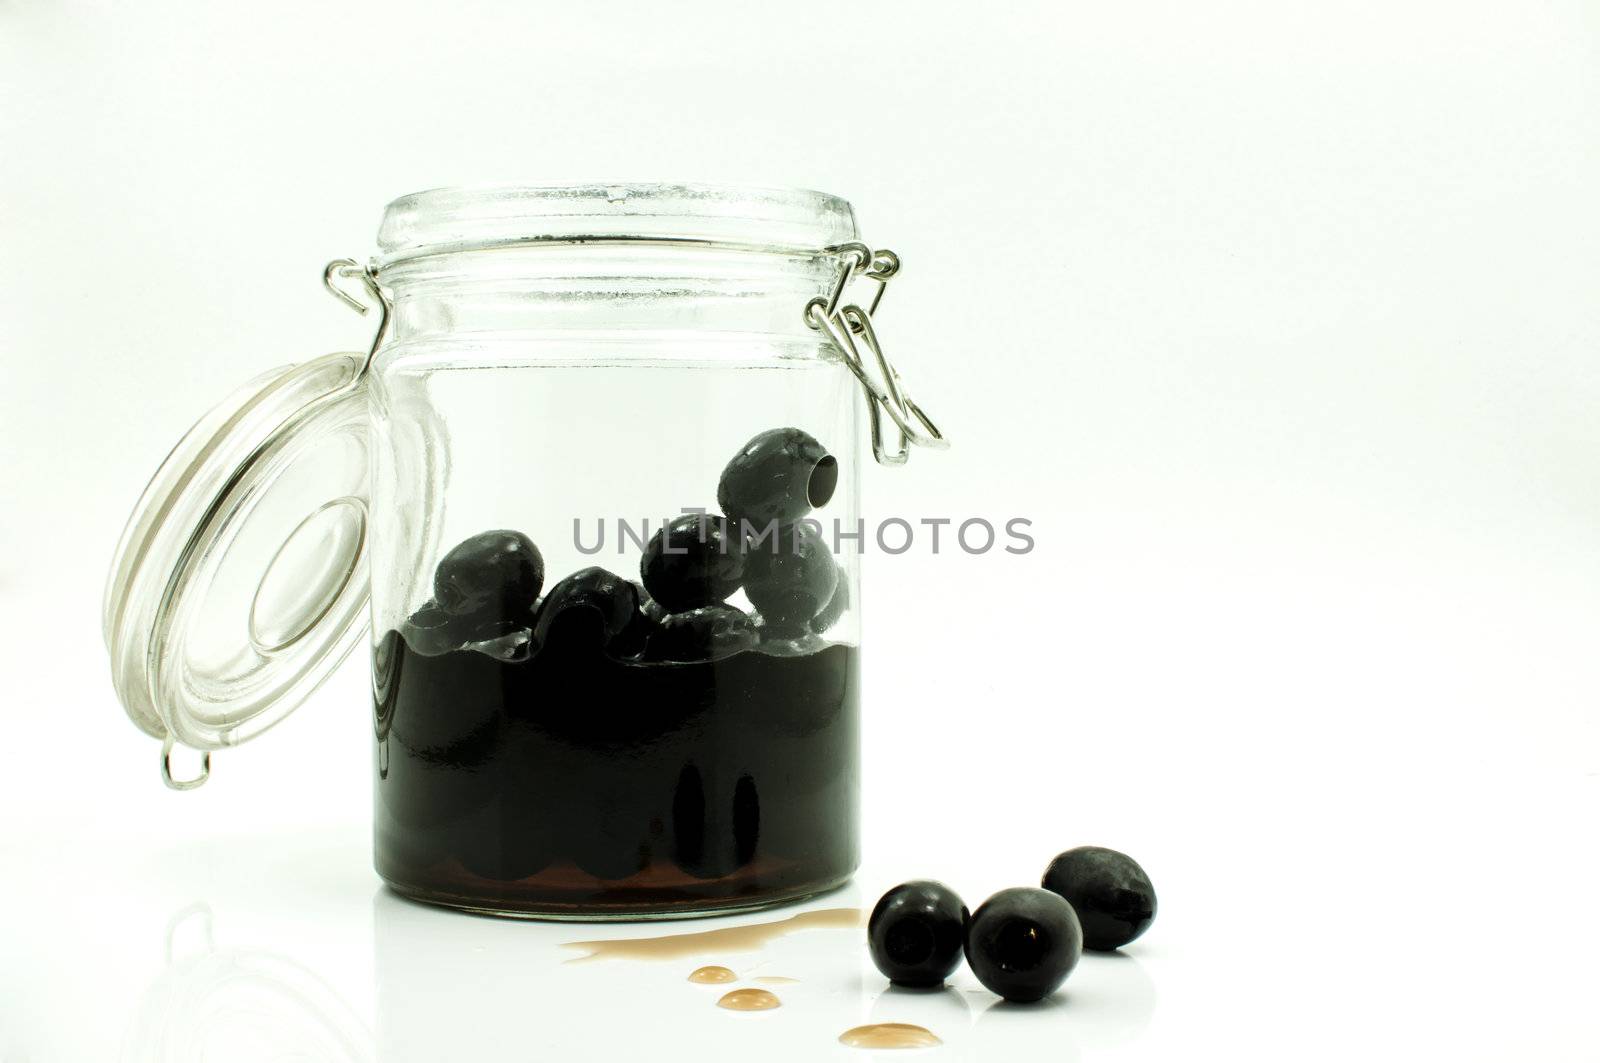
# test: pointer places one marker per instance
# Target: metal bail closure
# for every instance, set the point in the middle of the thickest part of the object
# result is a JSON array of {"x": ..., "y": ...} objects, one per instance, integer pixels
[
  {"x": 344, "y": 269},
  {"x": 174, "y": 783},
  {"x": 849, "y": 326}
]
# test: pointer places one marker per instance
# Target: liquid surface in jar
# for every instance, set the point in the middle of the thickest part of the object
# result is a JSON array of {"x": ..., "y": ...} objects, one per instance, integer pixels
[
  {"x": 711, "y": 975},
  {"x": 889, "y": 1035},
  {"x": 749, "y": 1000}
]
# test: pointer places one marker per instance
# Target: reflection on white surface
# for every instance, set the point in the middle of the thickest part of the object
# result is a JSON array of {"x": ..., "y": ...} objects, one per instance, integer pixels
[
  {"x": 1046, "y": 1029},
  {"x": 454, "y": 986},
  {"x": 308, "y": 958},
  {"x": 892, "y": 1000},
  {"x": 231, "y": 1005},
  {"x": 1113, "y": 999}
]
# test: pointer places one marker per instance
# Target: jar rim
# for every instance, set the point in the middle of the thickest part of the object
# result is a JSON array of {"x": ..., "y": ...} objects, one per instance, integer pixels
[{"x": 459, "y": 218}]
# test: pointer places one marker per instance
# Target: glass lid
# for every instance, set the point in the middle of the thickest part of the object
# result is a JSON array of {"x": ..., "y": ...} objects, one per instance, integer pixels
[
  {"x": 241, "y": 582},
  {"x": 794, "y": 220}
]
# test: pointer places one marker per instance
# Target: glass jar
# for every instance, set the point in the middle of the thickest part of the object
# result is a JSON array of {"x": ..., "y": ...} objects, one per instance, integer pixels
[{"x": 598, "y": 483}]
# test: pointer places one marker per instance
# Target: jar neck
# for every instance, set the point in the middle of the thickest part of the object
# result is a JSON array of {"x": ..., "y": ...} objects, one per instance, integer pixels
[{"x": 590, "y": 287}]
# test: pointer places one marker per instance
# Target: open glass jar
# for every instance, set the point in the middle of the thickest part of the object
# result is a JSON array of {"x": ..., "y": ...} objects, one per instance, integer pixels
[{"x": 597, "y": 484}]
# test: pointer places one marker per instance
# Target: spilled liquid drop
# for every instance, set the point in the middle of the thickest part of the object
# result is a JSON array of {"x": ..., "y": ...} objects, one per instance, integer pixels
[
  {"x": 711, "y": 975},
  {"x": 749, "y": 1000},
  {"x": 776, "y": 979},
  {"x": 745, "y": 938},
  {"x": 889, "y": 1035}
]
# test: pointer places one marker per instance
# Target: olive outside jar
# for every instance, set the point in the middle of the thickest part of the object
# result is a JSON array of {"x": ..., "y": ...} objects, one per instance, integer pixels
[{"x": 586, "y": 491}]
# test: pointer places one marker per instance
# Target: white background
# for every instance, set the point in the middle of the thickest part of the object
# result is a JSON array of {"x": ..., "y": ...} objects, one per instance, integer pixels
[{"x": 1278, "y": 319}]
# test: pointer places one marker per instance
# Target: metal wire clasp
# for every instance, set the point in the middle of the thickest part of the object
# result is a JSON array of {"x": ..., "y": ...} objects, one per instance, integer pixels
[
  {"x": 347, "y": 269},
  {"x": 172, "y": 781},
  {"x": 849, "y": 326}
]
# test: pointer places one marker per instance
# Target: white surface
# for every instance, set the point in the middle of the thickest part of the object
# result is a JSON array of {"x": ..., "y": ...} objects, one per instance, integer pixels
[{"x": 1278, "y": 319}]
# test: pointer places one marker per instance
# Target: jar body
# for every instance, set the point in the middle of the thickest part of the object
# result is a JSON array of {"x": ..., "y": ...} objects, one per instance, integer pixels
[{"x": 617, "y": 747}]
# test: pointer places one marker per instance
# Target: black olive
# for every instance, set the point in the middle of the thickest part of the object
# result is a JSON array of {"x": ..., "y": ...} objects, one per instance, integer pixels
[
  {"x": 779, "y": 476},
  {"x": 589, "y": 609},
  {"x": 1023, "y": 942},
  {"x": 515, "y": 836},
  {"x": 492, "y": 576},
  {"x": 916, "y": 933},
  {"x": 836, "y": 606},
  {"x": 695, "y": 560},
  {"x": 715, "y": 826},
  {"x": 629, "y": 643},
  {"x": 609, "y": 832},
  {"x": 1110, "y": 892},
  {"x": 791, "y": 577},
  {"x": 705, "y": 634}
]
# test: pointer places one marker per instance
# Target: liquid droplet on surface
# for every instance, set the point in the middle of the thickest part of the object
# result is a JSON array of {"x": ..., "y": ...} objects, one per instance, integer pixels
[
  {"x": 889, "y": 1035},
  {"x": 749, "y": 1000},
  {"x": 711, "y": 975},
  {"x": 776, "y": 979},
  {"x": 745, "y": 938}
]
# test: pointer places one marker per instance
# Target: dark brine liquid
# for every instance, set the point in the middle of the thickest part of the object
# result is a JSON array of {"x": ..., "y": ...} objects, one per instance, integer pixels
[{"x": 575, "y": 783}]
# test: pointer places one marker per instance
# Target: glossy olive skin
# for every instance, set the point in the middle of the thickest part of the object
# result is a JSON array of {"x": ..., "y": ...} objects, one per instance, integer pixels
[
  {"x": 494, "y": 575},
  {"x": 630, "y": 643},
  {"x": 779, "y": 476},
  {"x": 590, "y": 609},
  {"x": 705, "y": 634},
  {"x": 1111, "y": 894},
  {"x": 791, "y": 577},
  {"x": 916, "y": 933},
  {"x": 837, "y": 604},
  {"x": 1023, "y": 942},
  {"x": 695, "y": 560}
]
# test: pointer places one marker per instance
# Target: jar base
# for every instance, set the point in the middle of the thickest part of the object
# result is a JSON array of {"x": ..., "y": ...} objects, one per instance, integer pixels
[{"x": 620, "y": 913}]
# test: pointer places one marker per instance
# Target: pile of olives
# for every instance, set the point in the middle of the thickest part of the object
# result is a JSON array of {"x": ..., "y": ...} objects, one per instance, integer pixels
[
  {"x": 1022, "y": 942},
  {"x": 486, "y": 589}
]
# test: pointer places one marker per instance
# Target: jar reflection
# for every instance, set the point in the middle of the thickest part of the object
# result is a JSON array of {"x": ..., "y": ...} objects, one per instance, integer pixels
[{"x": 235, "y": 1004}]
